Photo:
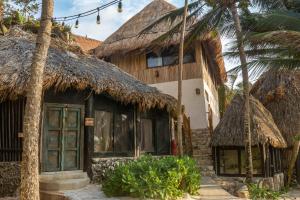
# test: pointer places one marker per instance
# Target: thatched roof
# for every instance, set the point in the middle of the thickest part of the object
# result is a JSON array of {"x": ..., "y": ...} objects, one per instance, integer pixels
[
  {"x": 127, "y": 38},
  {"x": 279, "y": 92},
  {"x": 69, "y": 70},
  {"x": 229, "y": 131},
  {"x": 85, "y": 43}
]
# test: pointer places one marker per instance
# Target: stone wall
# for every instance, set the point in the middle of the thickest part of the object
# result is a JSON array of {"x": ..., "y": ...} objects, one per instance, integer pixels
[
  {"x": 10, "y": 176},
  {"x": 101, "y": 165},
  {"x": 202, "y": 151},
  {"x": 275, "y": 183}
]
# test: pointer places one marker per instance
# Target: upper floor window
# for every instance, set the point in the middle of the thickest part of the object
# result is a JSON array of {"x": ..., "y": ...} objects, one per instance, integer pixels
[{"x": 168, "y": 57}]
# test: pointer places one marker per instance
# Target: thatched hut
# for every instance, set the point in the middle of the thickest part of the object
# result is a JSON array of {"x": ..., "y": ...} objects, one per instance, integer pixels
[
  {"x": 279, "y": 92},
  {"x": 156, "y": 64},
  {"x": 91, "y": 110},
  {"x": 228, "y": 140}
]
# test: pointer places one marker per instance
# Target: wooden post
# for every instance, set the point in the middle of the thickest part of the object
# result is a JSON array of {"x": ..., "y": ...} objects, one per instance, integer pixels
[
  {"x": 264, "y": 156},
  {"x": 89, "y": 135},
  {"x": 298, "y": 169}
]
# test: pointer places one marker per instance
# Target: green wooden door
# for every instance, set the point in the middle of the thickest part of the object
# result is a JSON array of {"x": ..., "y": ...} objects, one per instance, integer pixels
[{"x": 62, "y": 137}]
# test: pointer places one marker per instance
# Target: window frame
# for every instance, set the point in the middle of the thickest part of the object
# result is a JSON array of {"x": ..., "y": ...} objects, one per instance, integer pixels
[
  {"x": 239, "y": 149},
  {"x": 115, "y": 111},
  {"x": 163, "y": 54},
  {"x": 154, "y": 116}
]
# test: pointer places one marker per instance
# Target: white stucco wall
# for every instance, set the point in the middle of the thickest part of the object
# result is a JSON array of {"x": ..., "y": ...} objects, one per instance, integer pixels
[
  {"x": 213, "y": 102},
  {"x": 195, "y": 106}
]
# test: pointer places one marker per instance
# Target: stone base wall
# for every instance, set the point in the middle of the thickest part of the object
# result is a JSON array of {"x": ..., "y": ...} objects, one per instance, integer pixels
[
  {"x": 10, "y": 177},
  {"x": 275, "y": 183},
  {"x": 101, "y": 165},
  {"x": 202, "y": 151}
]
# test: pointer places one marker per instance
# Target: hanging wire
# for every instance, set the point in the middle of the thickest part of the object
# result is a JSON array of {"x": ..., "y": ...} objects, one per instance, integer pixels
[{"x": 90, "y": 12}]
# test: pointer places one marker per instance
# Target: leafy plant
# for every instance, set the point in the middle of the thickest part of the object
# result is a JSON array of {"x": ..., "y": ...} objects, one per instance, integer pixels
[
  {"x": 262, "y": 193},
  {"x": 151, "y": 177}
]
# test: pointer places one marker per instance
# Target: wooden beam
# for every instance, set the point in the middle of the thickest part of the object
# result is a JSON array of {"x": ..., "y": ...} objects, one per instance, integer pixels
[{"x": 89, "y": 135}]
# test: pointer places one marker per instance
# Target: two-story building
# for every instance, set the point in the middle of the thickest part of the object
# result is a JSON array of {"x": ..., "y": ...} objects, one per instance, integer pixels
[{"x": 203, "y": 70}]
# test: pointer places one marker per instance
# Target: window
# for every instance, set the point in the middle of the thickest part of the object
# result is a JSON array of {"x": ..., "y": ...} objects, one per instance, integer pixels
[
  {"x": 168, "y": 57},
  {"x": 229, "y": 162},
  {"x": 103, "y": 138},
  {"x": 113, "y": 132},
  {"x": 153, "y": 60},
  {"x": 147, "y": 136},
  {"x": 123, "y": 133},
  {"x": 154, "y": 134},
  {"x": 256, "y": 161},
  {"x": 232, "y": 161}
]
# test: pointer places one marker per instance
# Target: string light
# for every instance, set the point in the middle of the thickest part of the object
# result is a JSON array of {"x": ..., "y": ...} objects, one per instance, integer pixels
[
  {"x": 90, "y": 12},
  {"x": 77, "y": 22},
  {"x": 120, "y": 6},
  {"x": 63, "y": 23},
  {"x": 98, "y": 17}
]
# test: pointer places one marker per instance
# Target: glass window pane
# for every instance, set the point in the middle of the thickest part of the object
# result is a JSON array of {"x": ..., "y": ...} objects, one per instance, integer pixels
[
  {"x": 123, "y": 133},
  {"x": 103, "y": 141},
  {"x": 163, "y": 136},
  {"x": 170, "y": 60},
  {"x": 256, "y": 159},
  {"x": 229, "y": 163},
  {"x": 147, "y": 136},
  {"x": 188, "y": 58},
  {"x": 154, "y": 60}
]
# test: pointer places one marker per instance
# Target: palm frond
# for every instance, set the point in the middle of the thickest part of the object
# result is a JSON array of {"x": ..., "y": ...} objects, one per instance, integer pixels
[
  {"x": 263, "y": 64},
  {"x": 209, "y": 22},
  {"x": 278, "y": 20},
  {"x": 268, "y": 4},
  {"x": 195, "y": 8},
  {"x": 287, "y": 39},
  {"x": 258, "y": 52}
]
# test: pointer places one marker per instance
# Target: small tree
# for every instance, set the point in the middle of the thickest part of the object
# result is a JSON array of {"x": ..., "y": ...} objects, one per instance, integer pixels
[
  {"x": 180, "y": 67},
  {"x": 30, "y": 156}
]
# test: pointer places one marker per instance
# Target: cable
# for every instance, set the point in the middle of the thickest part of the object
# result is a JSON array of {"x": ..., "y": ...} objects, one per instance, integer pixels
[{"x": 89, "y": 12}]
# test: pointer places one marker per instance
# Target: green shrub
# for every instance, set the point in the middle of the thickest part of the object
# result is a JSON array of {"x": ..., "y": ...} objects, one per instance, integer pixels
[
  {"x": 257, "y": 193},
  {"x": 150, "y": 177}
]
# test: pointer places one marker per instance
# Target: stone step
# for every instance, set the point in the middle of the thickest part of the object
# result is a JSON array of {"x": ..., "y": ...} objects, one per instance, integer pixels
[
  {"x": 68, "y": 184},
  {"x": 46, "y": 195},
  {"x": 48, "y": 176},
  {"x": 66, "y": 180}
]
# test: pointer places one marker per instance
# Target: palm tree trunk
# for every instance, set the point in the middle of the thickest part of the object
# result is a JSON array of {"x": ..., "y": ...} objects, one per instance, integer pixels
[
  {"x": 3, "y": 29},
  {"x": 30, "y": 156},
  {"x": 180, "y": 67},
  {"x": 293, "y": 160},
  {"x": 247, "y": 130}
]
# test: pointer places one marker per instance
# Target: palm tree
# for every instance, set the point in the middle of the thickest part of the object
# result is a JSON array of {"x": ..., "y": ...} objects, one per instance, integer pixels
[
  {"x": 180, "y": 67},
  {"x": 218, "y": 15},
  {"x": 273, "y": 43},
  {"x": 273, "y": 39},
  {"x": 3, "y": 29},
  {"x": 30, "y": 156}
]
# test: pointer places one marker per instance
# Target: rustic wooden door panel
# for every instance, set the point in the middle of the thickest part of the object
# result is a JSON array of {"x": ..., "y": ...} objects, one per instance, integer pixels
[{"x": 62, "y": 135}]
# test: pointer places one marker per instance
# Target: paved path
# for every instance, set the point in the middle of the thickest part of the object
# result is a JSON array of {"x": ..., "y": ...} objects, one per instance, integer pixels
[{"x": 210, "y": 190}]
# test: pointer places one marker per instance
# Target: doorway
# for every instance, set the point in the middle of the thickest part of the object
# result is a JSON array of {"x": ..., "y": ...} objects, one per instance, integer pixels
[{"x": 62, "y": 137}]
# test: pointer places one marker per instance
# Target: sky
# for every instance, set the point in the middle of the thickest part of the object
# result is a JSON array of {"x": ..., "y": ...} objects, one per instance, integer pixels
[{"x": 111, "y": 20}]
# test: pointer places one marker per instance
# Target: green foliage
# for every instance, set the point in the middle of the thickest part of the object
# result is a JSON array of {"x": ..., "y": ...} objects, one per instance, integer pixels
[
  {"x": 257, "y": 193},
  {"x": 150, "y": 177}
]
